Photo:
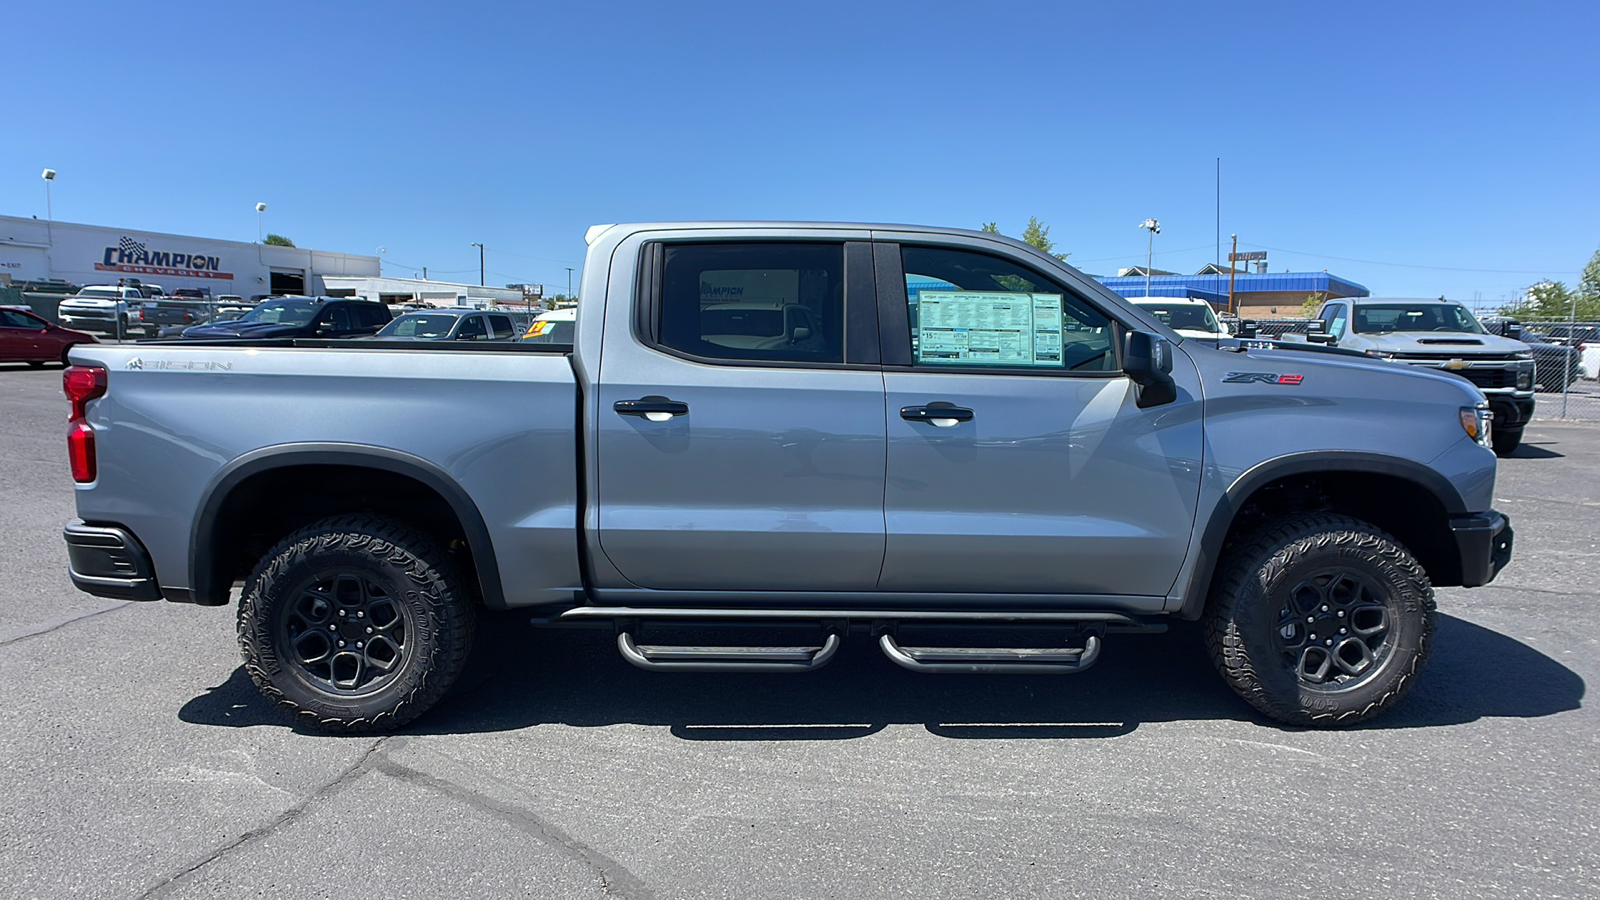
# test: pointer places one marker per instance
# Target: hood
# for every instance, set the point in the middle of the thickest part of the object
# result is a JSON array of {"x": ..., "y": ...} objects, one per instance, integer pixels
[
  {"x": 1203, "y": 335},
  {"x": 241, "y": 330},
  {"x": 90, "y": 303},
  {"x": 1443, "y": 343}
]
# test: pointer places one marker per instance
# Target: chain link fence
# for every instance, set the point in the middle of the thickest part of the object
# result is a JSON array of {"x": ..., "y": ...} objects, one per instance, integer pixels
[
  {"x": 1566, "y": 356},
  {"x": 1567, "y": 353}
]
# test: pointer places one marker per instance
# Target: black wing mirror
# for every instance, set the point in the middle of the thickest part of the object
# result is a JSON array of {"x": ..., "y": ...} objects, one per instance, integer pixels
[{"x": 1147, "y": 360}]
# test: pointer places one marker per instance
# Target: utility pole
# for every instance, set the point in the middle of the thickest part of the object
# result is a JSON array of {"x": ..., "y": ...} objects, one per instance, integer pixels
[
  {"x": 569, "y": 284},
  {"x": 480, "y": 262},
  {"x": 1231, "y": 255}
]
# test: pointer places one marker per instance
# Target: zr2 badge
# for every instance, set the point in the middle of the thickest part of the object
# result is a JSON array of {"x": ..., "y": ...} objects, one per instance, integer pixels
[{"x": 1261, "y": 378}]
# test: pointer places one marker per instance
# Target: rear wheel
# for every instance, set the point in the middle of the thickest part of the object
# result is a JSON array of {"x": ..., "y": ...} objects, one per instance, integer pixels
[
  {"x": 1320, "y": 620},
  {"x": 355, "y": 624},
  {"x": 1506, "y": 440}
]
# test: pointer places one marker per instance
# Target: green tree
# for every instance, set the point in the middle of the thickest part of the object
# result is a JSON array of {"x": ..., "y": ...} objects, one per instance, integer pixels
[
  {"x": 1036, "y": 234},
  {"x": 1589, "y": 284},
  {"x": 1039, "y": 236},
  {"x": 277, "y": 240},
  {"x": 1554, "y": 300},
  {"x": 1313, "y": 303}
]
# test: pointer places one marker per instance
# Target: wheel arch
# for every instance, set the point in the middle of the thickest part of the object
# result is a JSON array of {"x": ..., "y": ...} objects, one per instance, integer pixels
[
  {"x": 212, "y": 559},
  {"x": 1422, "y": 525}
]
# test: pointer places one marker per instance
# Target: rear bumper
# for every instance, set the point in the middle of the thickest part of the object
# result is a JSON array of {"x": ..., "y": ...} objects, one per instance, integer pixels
[
  {"x": 108, "y": 561},
  {"x": 1484, "y": 541}
]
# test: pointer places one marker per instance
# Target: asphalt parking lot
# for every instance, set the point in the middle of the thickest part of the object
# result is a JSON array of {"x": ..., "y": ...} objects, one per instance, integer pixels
[{"x": 139, "y": 761}]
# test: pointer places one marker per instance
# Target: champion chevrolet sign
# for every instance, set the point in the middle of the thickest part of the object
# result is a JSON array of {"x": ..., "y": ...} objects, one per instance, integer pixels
[{"x": 133, "y": 258}]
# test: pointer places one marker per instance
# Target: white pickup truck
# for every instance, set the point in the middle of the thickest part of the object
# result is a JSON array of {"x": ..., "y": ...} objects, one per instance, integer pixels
[{"x": 105, "y": 308}]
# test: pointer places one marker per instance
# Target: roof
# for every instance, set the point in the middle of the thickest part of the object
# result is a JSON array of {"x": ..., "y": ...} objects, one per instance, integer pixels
[
  {"x": 1247, "y": 283},
  {"x": 1406, "y": 300}
]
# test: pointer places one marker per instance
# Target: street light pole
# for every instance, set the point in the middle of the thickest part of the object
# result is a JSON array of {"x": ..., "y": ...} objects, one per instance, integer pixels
[
  {"x": 260, "y": 208},
  {"x": 49, "y": 175},
  {"x": 480, "y": 262},
  {"x": 569, "y": 284},
  {"x": 1154, "y": 227}
]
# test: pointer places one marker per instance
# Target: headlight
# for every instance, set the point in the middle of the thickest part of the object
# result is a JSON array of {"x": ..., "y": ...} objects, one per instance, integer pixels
[
  {"x": 1476, "y": 422},
  {"x": 1523, "y": 354},
  {"x": 1525, "y": 379}
]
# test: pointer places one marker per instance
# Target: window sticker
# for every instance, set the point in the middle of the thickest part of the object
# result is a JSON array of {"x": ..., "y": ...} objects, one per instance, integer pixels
[{"x": 967, "y": 327}]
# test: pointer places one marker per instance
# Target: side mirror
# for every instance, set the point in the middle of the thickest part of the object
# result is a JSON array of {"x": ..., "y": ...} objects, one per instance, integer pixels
[
  {"x": 1247, "y": 328},
  {"x": 1147, "y": 361}
]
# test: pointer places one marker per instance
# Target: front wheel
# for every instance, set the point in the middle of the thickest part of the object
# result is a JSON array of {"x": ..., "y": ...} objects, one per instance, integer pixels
[
  {"x": 1506, "y": 440},
  {"x": 1320, "y": 620},
  {"x": 355, "y": 624}
]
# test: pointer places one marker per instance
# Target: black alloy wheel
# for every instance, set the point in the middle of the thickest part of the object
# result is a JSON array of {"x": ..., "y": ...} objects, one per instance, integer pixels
[
  {"x": 346, "y": 633},
  {"x": 1334, "y": 629}
]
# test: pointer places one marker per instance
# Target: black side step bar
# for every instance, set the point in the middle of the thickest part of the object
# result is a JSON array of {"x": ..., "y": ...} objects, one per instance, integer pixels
[
  {"x": 727, "y": 659},
  {"x": 993, "y": 660}
]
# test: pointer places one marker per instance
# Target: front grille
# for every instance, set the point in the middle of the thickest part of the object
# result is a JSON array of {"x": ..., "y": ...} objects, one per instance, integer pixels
[
  {"x": 88, "y": 313},
  {"x": 1491, "y": 378}
]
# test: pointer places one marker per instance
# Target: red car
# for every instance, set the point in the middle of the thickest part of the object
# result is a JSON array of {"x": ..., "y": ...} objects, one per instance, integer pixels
[{"x": 25, "y": 337}]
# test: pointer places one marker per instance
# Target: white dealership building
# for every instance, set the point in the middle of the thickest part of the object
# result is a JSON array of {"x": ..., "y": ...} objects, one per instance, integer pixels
[{"x": 37, "y": 250}]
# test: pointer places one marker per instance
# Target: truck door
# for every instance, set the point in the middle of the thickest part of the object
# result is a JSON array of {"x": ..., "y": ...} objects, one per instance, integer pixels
[
  {"x": 1019, "y": 461},
  {"x": 740, "y": 420}
]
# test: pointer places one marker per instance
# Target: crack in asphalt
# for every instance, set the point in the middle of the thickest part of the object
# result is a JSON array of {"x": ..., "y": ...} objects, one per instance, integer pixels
[
  {"x": 615, "y": 879},
  {"x": 29, "y": 631},
  {"x": 339, "y": 782}
]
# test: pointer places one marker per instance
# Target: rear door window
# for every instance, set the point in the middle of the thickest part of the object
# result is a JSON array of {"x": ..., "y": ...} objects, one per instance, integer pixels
[
  {"x": 768, "y": 302},
  {"x": 501, "y": 327}
]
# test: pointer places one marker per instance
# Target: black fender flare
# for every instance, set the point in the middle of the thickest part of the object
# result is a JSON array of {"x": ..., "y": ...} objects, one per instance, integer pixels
[
  {"x": 230, "y": 476},
  {"x": 1222, "y": 515}
]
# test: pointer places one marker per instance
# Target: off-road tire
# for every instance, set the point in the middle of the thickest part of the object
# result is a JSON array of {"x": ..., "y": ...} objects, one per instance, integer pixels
[
  {"x": 1253, "y": 594},
  {"x": 403, "y": 565},
  {"x": 1506, "y": 440}
]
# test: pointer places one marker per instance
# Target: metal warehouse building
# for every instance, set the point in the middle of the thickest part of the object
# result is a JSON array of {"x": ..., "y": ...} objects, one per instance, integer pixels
[
  {"x": 1256, "y": 295},
  {"x": 34, "y": 250}
]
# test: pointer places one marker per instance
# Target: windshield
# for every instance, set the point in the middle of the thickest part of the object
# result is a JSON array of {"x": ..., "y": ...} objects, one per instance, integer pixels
[
  {"x": 101, "y": 293},
  {"x": 1382, "y": 318},
  {"x": 1194, "y": 316},
  {"x": 281, "y": 313},
  {"x": 428, "y": 325}
]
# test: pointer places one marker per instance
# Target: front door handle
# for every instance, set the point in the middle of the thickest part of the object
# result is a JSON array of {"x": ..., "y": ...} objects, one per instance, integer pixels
[
  {"x": 656, "y": 409},
  {"x": 939, "y": 416}
]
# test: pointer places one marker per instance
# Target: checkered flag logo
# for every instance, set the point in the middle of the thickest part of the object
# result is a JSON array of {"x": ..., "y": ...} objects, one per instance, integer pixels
[{"x": 129, "y": 245}]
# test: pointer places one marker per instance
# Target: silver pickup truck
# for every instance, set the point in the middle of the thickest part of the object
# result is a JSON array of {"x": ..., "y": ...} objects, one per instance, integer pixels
[{"x": 940, "y": 442}]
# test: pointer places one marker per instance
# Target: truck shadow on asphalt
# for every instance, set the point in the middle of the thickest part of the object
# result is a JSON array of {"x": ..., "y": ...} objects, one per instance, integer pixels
[{"x": 522, "y": 677}]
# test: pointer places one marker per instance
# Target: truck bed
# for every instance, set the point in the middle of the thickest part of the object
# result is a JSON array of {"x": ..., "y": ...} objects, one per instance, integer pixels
[{"x": 495, "y": 419}]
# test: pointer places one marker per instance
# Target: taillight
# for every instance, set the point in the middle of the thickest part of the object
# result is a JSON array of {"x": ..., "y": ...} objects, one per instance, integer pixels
[
  {"x": 141, "y": 315},
  {"x": 82, "y": 384}
]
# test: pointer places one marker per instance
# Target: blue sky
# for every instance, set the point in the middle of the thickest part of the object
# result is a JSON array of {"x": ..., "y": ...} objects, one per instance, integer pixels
[{"x": 1417, "y": 148}]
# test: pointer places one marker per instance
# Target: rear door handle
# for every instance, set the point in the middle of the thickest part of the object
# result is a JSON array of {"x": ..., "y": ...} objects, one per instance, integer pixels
[
  {"x": 938, "y": 416},
  {"x": 656, "y": 409}
]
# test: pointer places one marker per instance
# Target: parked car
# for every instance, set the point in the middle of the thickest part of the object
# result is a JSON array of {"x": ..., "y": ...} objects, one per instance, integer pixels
[
  {"x": 28, "y": 337},
  {"x": 1556, "y": 364},
  {"x": 1443, "y": 335},
  {"x": 299, "y": 317},
  {"x": 554, "y": 327},
  {"x": 1188, "y": 317},
  {"x": 449, "y": 325},
  {"x": 159, "y": 318},
  {"x": 1055, "y": 461},
  {"x": 104, "y": 308}
]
